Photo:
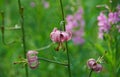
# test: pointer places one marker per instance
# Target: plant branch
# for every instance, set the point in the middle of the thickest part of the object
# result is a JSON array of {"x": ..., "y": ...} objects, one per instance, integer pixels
[
  {"x": 21, "y": 10},
  {"x": 63, "y": 16},
  {"x": 90, "y": 74},
  {"x": 2, "y": 28},
  {"x": 66, "y": 44},
  {"x": 3, "y": 31},
  {"x": 45, "y": 47},
  {"x": 51, "y": 61},
  {"x": 13, "y": 28}
]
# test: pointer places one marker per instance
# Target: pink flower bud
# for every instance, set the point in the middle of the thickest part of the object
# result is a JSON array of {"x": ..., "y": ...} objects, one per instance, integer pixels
[
  {"x": 98, "y": 68},
  {"x": 92, "y": 64},
  {"x": 32, "y": 59},
  {"x": 60, "y": 36}
]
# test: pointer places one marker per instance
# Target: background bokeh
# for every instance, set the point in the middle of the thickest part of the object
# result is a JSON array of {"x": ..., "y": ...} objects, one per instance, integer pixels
[{"x": 40, "y": 19}]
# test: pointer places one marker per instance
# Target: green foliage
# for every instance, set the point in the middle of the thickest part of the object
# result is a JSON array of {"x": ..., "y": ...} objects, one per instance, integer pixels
[{"x": 39, "y": 22}]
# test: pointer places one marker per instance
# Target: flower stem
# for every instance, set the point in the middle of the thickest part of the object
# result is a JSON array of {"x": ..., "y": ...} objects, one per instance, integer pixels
[
  {"x": 90, "y": 74},
  {"x": 13, "y": 28},
  {"x": 69, "y": 69},
  {"x": 51, "y": 61},
  {"x": 23, "y": 34},
  {"x": 45, "y": 47},
  {"x": 63, "y": 16},
  {"x": 66, "y": 44},
  {"x": 2, "y": 28},
  {"x": 3, "y": 31}
]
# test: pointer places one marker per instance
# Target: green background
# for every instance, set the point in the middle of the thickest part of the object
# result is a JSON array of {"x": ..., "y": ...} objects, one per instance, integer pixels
[{"x": 38, "y": 23}]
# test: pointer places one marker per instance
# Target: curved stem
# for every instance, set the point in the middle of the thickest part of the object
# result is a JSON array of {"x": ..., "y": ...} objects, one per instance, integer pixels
[
  {"x": 45, "y": 47},
  {"x": 3, "y": 31},
  {"x": 23, "y": 34},
  {"x": 90, "y": 74},
  {"x": 51, "y": 61},
  {"x": 13, "y": 28},
  {"x": 2, "y": 28},
  {"x": 68, "y": 56}
]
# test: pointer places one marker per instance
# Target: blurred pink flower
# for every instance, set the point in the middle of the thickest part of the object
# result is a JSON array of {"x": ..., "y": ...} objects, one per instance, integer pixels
[
  {"x": 46, "y": 4},
  {"x": 32, "y": 4},
  {"x": 103, "y": 24},
  {"x": 78, "y": 40},
  {"x": 106, "y": 21},
  {"x": 113, "y": 17},
  {"x": 69, "y": 18},
  {"x": 75, "y": 24},
  {"x": 60, "y": 36},
  {"x": 32, "y": 59}
]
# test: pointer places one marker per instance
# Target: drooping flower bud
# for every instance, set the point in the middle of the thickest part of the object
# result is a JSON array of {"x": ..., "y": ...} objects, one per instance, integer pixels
[
  {"x": 92, "y": 64},
  {"x": 98, "y": 68},
  {"x": 32, "y": 59},
  {"x": 60, "y": 36}
]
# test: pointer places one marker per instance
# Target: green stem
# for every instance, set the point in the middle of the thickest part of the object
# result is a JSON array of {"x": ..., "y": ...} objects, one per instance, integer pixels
[
  {"x": 66, "y": 44},
  {"x": 51, "y": 61},
  {"x": 63, "y": 16},
  {"x": 68, "y": 57},
  {"x": 116, "y": 54},
  {"x": 13, "y": 28},
  {"x": 43, "y": 48},
  {"x": 3, "y": 31},
  {"x": 90, "y": 74},
  {"x": 23, "y": 34}
]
